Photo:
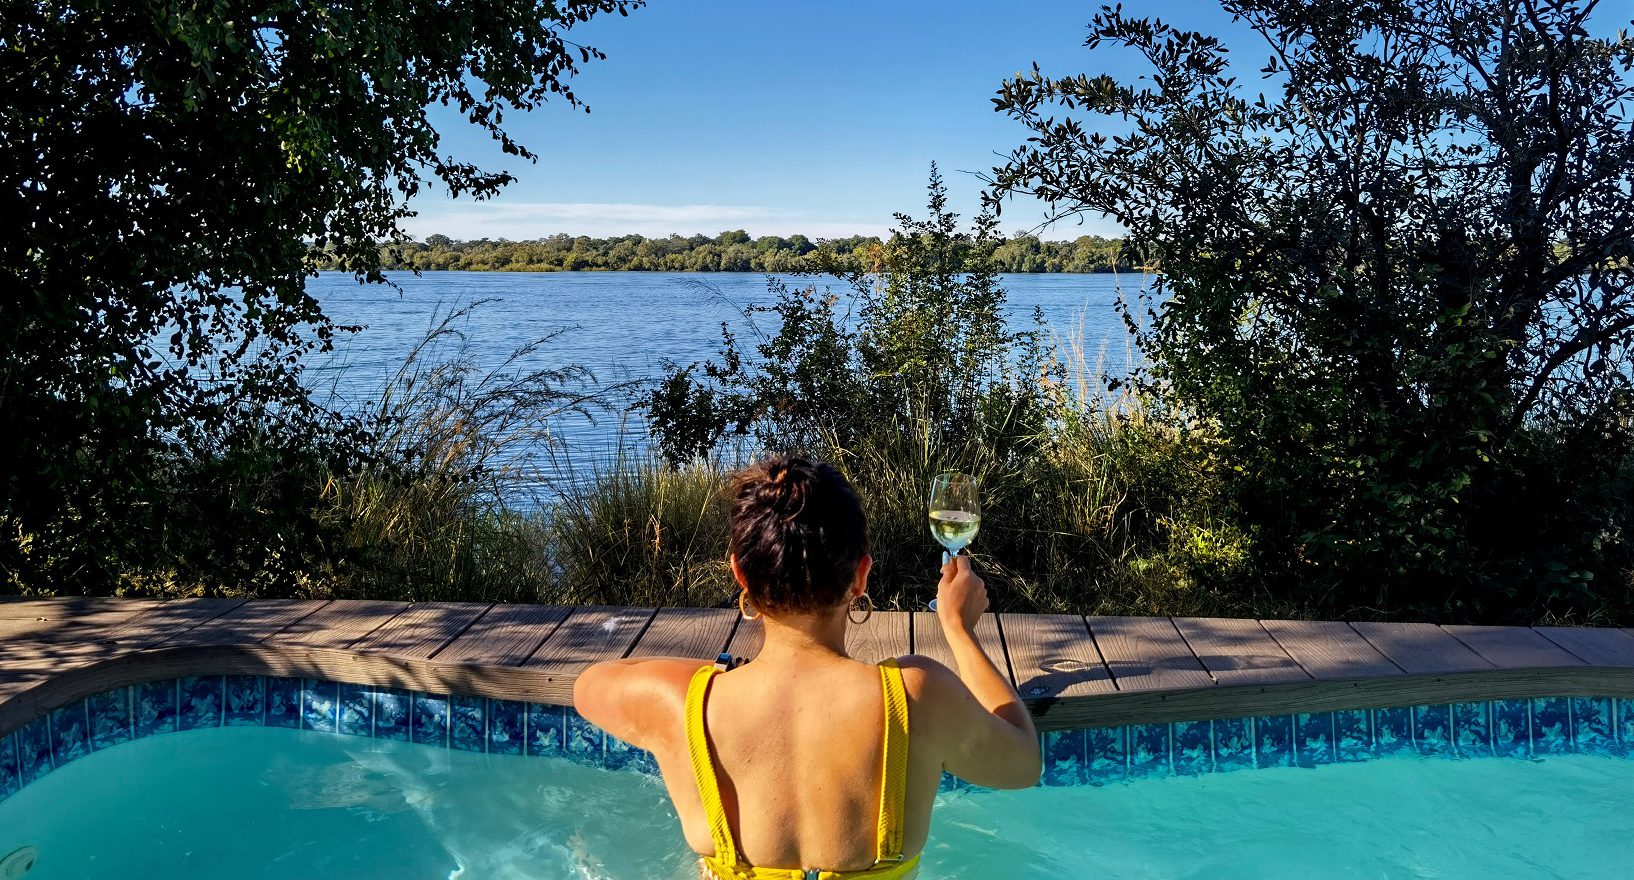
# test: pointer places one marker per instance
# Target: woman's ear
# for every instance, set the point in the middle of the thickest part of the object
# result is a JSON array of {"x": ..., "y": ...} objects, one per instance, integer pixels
[
  {"x": 860, "y": 586},
  {"x": 737, "y": 571}
]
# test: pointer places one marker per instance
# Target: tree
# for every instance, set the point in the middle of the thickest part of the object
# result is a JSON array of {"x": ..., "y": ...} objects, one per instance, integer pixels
[
  {"x": 167, "y": 168},
  {"x": 921, "y": 348},
  {"x": 1396, "y": 285}
]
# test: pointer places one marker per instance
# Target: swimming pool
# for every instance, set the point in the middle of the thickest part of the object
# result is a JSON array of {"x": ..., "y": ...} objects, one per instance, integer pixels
[
  {"x": 266, "y": 776},
  {"x": 253, "y": 802}
]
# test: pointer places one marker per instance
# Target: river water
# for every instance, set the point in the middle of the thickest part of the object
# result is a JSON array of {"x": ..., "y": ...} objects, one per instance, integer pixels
[{"x": 624, "y": 327}]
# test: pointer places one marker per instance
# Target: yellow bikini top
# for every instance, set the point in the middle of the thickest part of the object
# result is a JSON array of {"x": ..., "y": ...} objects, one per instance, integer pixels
[{"x": 889, "y": 864}]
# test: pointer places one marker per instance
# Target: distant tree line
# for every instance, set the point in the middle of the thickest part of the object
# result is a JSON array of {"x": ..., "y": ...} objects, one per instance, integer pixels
[{"x": 731, "y": 251}]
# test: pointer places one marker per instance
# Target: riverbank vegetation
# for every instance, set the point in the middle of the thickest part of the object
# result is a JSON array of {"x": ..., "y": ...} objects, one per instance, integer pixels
[
  {"x": 731, "y": 251},
  {"x": 1385, "y": 371}
]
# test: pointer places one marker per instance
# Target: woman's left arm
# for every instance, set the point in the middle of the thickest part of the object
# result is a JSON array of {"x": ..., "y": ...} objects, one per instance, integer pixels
[{"x": 636, "y": 700}]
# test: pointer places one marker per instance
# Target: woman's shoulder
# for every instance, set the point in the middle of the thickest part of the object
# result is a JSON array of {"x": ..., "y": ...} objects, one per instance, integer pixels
[
  {"x": 635, "y": 700},
  {"x": 924, "y": 677}
]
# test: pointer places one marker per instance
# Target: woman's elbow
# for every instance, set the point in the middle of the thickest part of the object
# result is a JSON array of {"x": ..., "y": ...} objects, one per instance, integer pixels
[
  {"x": 590, "y": 692},
  {"x": 1029, "y": 768}
]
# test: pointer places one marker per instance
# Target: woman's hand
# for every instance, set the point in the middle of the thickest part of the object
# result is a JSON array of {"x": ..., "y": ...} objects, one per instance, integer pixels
[{"x": 961, "y": 597}]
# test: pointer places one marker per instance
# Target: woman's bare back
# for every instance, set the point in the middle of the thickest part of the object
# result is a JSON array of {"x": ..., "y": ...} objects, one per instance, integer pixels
[
  {"x": 797, "y": 736},
  {"x": 798, "y": 751}
]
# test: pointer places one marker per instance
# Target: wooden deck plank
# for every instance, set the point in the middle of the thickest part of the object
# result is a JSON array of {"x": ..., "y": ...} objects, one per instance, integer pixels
[
  {"x": 505, "y": 636},
  {"x": 1512, "y": 647},
  {"x": 1147, "y": 653},
  {"x": 167, "y": 620},
  {"x": 72, "y": 628},
  {"x": 746, "y": 639},
  {"x": 13, "y": 683},
  {"x": 71, "y": 610},
  {"x": 1421, "y": 648},
  {"x": 693, "y": 633},
  {"x": 1237, "y": 651},
  {"x": 589, "y": 635},
  {"x": 1329, "y": 650},
  {"x": 1072, "y": 672},
  {"x": 251, "y": 622},
  {"x": 1052, "y": 656},
  {"x": 1594, "y": 645},
  {"x": 930, "y": 641},
  {"x": 339, "y": 624},
  {"x": 24, "y": 664},
  {"x": 886, "y": 634},
  {"x": 423, "y": 629}
]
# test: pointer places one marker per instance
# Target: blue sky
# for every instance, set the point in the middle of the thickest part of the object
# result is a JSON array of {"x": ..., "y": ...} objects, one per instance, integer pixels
[{"x": 780, "y": 117}]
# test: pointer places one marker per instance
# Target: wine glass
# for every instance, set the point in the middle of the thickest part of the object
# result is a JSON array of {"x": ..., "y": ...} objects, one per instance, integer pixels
[{"x": 955, "y": 513}]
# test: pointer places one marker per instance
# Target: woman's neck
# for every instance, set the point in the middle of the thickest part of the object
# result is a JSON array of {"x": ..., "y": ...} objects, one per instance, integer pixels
[{"x": 803, "y": 635}]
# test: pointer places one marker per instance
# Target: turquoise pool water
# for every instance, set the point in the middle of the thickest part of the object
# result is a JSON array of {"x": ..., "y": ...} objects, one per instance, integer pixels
[{"x": 253, "y": 802}]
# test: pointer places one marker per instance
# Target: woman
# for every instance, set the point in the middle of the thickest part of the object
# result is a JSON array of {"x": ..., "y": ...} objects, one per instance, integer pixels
[{"x": 805, "y": 763}]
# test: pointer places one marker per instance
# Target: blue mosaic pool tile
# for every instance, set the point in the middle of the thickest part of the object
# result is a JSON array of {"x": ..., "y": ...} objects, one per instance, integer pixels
[
  {"x": 1551, "y": 726},
  {"x": 619, "y": 754},
  {"x": 155, "y": 708},
  {"x": 585, "y": 741},
  {"x": 10, "y": 784},
  {"x": 283, "y": 702},
  {"x": 1095, "y": 756},
  {"x": 1233, "y": 744},
  {"x": 1352, "y": 735},
  {"x": 1274, "y": 741},
  {"x": 1063, "y": 757},
  {"x": 393, "y": 714},
  {"x": 1392, "y": 730},
  {"x": 1313, "y": 739},
  {"x": 1472, "y": 729},
  {"x": 245, "y": 703},
  {"x": 1193, "y": 753},
  {"x": 34, "y": 750},
  {"x": 1149, "y": 750},
  {"x": 200, "y": 703},
  {"x": 356, "y": 710},
  {"x": 506, "y": 727},
  {"x": 70, "y": 734},
  {"x": 1432, "y": 729},
  {"x": 320, "y": 705},
  {"x": 468, "y": 725},
  {"x": 643, "y": 761},
  {"x": 109, "y": 715},
  {"x": 430, "y": 724},
  {"x": 1106, "y": 755},
  {"x": 1512, "y": 728},
  {"x": 1593, "y": 727},
  {"x": 545, "y": 732}
]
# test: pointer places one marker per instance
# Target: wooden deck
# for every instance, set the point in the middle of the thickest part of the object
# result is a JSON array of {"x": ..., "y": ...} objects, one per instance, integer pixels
[{"x": 1072, "y": 671}]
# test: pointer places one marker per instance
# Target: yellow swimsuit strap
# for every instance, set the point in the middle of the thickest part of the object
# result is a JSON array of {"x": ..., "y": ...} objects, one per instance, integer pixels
[
  {"x": 893, "y": 778},
  {"x": 893, "y": 783},
  {"x": 703, "y": 768}
]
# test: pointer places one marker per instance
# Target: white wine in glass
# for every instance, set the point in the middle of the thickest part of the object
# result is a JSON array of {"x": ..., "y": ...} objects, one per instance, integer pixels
[{"x": 955, "y": 511}]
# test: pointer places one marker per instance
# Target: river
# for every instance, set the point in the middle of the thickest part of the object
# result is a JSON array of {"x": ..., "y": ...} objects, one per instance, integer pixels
[{"x": 625, "y": 326}]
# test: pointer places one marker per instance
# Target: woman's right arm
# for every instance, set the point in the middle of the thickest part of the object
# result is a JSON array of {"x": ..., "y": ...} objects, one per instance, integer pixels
[{"x": 988, "y": 733}]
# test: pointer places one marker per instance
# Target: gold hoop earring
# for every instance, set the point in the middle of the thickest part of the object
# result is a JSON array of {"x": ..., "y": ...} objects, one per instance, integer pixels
[
  {"x": 743, "y": 597},
  {"x": 866, "y": 604}
]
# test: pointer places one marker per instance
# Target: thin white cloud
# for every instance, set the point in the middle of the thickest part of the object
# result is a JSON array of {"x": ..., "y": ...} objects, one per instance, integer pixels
[{"x": 529, "y": 220}]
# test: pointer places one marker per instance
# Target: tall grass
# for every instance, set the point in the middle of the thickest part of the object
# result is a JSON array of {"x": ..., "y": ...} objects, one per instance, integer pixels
[
  {"x": 635, "y": 532},
  {"x": 1092, "y": 504},
  {"x": 442, "y": 509},
  {"x": 1103, "y": 509}
]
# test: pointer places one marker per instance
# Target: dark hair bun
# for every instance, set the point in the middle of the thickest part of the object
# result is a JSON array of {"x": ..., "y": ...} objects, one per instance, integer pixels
[
  {"x": 798, "y": 533},
  {"x": 788, "y": 480}
]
